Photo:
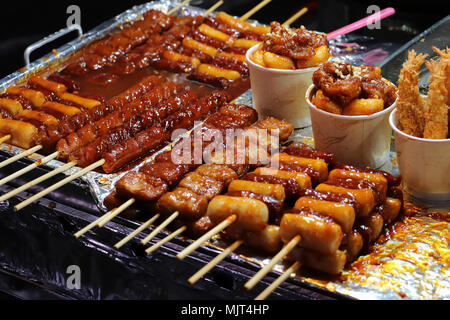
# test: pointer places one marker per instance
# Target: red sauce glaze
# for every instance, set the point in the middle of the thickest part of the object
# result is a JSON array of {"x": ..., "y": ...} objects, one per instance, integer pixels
[{"x": 298, "y": 44}]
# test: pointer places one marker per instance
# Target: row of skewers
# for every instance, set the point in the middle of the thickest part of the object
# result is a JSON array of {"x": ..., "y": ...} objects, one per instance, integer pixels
[
  {"x": 209, "y": 49},
  {"x": 323, "y": 227}
]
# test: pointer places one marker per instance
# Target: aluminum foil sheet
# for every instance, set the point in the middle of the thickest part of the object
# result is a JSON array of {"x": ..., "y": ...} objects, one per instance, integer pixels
[
  {"x": 411, "y": 261},
  {"x": 412, "y": 264}
]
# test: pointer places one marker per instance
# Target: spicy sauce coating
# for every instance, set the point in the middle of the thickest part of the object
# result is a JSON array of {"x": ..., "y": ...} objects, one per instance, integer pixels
[
  {"x": 341, "y": 84},
  {"x": 298, "y": 44},
  {"x": 302, "y": 47}
]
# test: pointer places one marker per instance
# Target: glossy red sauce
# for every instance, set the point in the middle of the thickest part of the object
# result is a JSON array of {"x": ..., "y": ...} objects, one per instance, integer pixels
[{"x": 89, "y": 84}]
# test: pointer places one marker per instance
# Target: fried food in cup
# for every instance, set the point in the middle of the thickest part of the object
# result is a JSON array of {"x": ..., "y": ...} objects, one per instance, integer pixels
[
  {"x": 424, "y": 118},
  {"x": 436, "y": 114},
  {"x": 321, "y": 54},
  {"x": 351, "y": 90},
  {"x": 290, "y": 48},
  {"x": 410, "y": 105},
  {"x": 321, "y": 101},
  {"x": 360, "y": 107},
  {"x": 275, "y": 61},
  {"x": 445, "y": 56}
]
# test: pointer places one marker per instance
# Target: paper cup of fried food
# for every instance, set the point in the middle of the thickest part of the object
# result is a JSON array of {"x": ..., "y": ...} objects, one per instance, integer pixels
[
  {"x": 350, "y": 108},
  {"x": 423, "y": 164},
  {"x": 420, "y": 125},
  {"x": 281, "y": 68}
]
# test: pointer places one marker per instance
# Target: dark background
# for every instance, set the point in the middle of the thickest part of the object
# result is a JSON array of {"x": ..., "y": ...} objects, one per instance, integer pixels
[{"x": 25, "y": 22}]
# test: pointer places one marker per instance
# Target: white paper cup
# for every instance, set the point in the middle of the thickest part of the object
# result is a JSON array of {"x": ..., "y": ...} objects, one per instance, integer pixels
[
  {"x": 423, "y": 163},
  {"x": 280, "y": 93},
  {"x": 358, "y": 140}
]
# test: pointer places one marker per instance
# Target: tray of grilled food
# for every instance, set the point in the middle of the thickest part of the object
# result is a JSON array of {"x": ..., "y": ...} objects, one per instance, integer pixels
[{"x": 253, "y": 140}]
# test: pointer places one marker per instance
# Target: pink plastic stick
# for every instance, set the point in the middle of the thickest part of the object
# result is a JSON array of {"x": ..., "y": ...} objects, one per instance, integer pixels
[{"x": 361, "y": 23}]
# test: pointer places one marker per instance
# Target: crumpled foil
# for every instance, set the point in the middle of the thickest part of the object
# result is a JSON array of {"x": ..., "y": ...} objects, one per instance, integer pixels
[{"x": 410, "y": 261}]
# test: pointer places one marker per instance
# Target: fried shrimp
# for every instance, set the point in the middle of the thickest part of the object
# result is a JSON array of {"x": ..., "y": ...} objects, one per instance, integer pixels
[
  {"x": 410, "y": 105},
  {"x": 436, "y": 115},
  {"x": 445, "y": 56}
]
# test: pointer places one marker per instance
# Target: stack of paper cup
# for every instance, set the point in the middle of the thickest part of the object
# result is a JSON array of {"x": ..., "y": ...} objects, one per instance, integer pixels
[
  {"x": 358, "y": 140},
  {"x": 280, "y": 93},
  {"x": 423, "y": 163}
]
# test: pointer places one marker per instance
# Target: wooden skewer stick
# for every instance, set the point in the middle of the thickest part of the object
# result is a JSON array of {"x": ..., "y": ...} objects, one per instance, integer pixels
[
  {"x": 20, "y": 155},
  {"x": 165, "y": 240},
  {"x": 28, "y": 168},
  {"x": 92, "y": 224},
  {"x": 145, "y": 225},
  {"x": 266, "y": 269},
  {"x": 59, "y": 184},
  {"x": 5, "y": 138},
  {"x": 289, "y": 21},
  {"x": 200, "y": 273},
  {"x": 115, "y": 213},
  {"x": 104, "y": 218},
  {"x": 212, "y": 8},
  {"x": 46, "y": 176},
  {"x": 263, "y": 295},
  {"x": 178, "y": 7},
  {"x": 254, "y": 10},
  {"x": 197, "y": 243},
  {"x": 159, "y": 228}
]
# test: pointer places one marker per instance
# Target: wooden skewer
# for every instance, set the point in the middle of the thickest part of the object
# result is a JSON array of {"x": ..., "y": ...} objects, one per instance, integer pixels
[
  {"x": 197, "y": 243},
  {"x": 5, "y": 138},
  {"x": 263, "y": 295},
  {"x": 115, "y": 213},
  {"x": 213, "y": 7},
  {"x": 145, "y": 225},
  {"x": 184, "y": 3},
  {"x": 165, "y": 240},
  {"x": 159, "y": 228},
  {"x": 164, "y": 224},
  {"x": 289, "y": 21},
  {"x": 91, "y": 225},
  {"x": 20, "y": 155},
  {"x": 200, "y": 273},
  {"x": 46, "y": 176},
  {"x": 59, "y": 184},
  {"x": 265, "y": 270},
  {"x": 104, "y": 218},
  {"x": 28, "y": 168},
  {"x": 254, "y": 10}
]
